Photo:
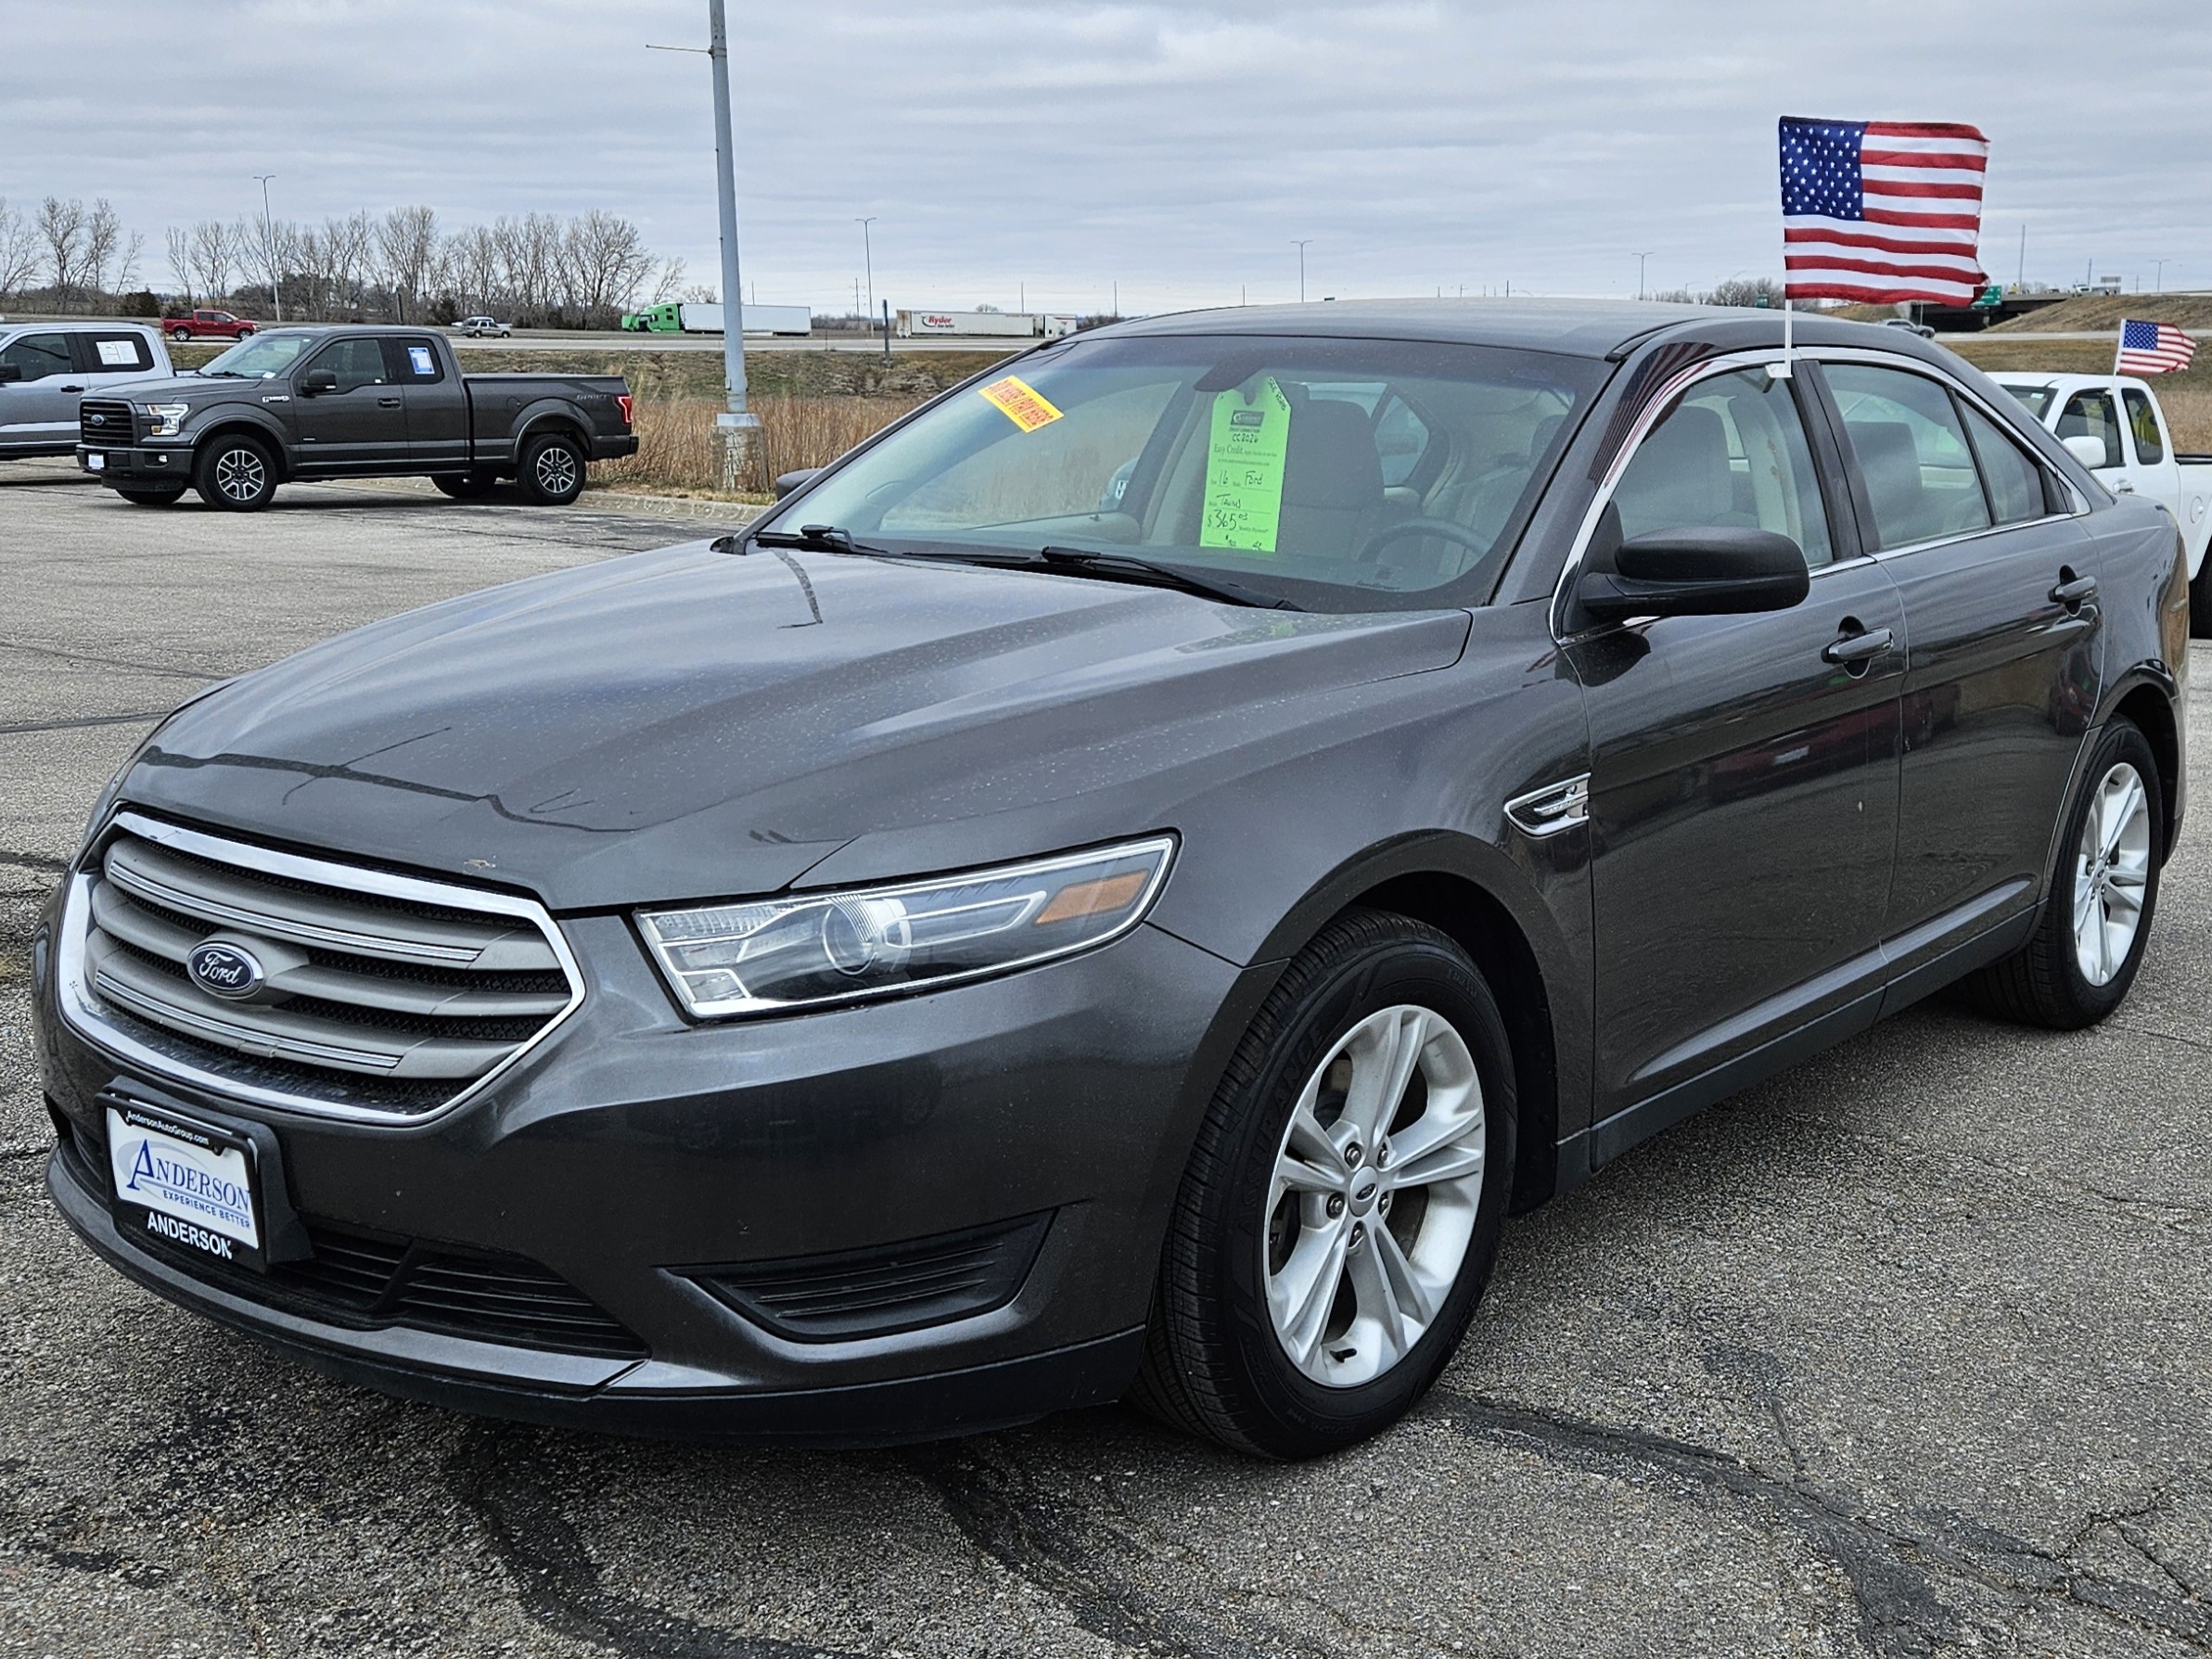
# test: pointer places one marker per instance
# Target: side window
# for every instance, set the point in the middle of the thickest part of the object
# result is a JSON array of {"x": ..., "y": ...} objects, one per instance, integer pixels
[
  {"x": 1732, "y": 453},
  {"x": 118, "y": 354},
  {"x": 2142, "y": 420},
  {"x": 1911, "y": 451},
  {"x": 2091, "y": 415},
  {"x": 38, "y": 355},
  {"x": 411, "y": 362},
  {"x": 356, "y": 363},
  {"x": 2016, "y": 482}
]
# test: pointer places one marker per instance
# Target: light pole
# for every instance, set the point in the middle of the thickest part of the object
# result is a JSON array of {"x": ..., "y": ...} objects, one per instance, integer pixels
[
  {"x": 268, "y": 247},
  {"x": 1640, "y": 259},
  {"x": 1302, "y": 247},
  {"x": 868, "y": 254},
  {"x": 2158, "y": 277},
  {"x": 737, "y": 426}
]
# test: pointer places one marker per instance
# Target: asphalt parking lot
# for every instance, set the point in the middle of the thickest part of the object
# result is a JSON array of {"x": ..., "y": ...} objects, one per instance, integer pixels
[{"x": 1908, "y": 1352}]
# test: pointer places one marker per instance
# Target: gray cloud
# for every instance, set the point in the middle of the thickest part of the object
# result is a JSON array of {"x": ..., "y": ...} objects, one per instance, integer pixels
[{"x": 1053, "y": 150}]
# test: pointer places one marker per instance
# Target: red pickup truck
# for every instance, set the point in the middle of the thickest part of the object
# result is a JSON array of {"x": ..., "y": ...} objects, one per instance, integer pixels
[{"x": 221, "y": 324}]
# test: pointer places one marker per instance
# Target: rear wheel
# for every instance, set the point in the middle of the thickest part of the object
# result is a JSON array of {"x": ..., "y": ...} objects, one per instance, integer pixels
[
  {"x": 235, "y": 473},
  {"x": 165, "y": 497},
  {"x": 464, "y": 486},
  {"x": 552, "y": 472},
  {"x": 180, "y": 334},
  {"x": 2089, "y": 942},
  {"x": 1342, "y": 1208}
]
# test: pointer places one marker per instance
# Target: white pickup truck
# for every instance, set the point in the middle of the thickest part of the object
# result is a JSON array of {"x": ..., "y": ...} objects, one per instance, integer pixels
[{"x": 2113, "y": 426}]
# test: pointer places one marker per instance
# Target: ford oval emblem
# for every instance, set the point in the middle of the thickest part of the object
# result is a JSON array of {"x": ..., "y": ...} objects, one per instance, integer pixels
[
  {"x": 97, "y": 420},
  {"x": 224, "y": 970}
]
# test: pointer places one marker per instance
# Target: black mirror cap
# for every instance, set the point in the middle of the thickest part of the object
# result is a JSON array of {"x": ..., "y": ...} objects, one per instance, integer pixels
[
  {"x": 316, "y": 380},
  {"x": 11, "y": 371},
  {"x": 787, "y": 483},
  {"x": 1701, "y": 570}
]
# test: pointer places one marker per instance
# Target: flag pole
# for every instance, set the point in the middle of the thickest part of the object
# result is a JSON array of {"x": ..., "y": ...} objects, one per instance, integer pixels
[{"x": 1789, "y": 330}]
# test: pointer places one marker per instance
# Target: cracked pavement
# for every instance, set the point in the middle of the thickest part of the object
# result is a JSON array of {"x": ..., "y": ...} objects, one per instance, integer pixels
[{"x": 1903, "y": 1353}]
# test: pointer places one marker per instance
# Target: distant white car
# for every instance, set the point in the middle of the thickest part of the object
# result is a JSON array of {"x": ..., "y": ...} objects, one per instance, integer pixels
[
  {"x": 477, "y": 327},
  {"x": 1909, "y": 326},
  {"x": 2114, "y": 427}
]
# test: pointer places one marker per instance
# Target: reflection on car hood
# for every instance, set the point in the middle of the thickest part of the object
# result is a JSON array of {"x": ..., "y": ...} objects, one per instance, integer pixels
[{"x": 687, "y": 723}]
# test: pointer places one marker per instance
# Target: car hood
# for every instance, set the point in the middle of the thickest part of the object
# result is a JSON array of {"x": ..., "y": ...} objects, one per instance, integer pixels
[
  {"x": 198, "y": 389},
  {"x": 687, "y": 723}
]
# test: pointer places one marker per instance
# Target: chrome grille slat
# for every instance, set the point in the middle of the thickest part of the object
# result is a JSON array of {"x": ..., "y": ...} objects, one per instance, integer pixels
[
  {"x": 118, "y": 431},
  {"x": 383, "y": 997}
]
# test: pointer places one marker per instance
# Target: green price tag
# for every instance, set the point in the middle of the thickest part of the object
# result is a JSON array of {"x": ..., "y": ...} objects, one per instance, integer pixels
[{"x": 1244, "y": 468}]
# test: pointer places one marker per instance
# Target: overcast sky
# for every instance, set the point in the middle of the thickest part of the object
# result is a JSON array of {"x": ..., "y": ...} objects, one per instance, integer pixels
[{"x": 1049, "y": 152}]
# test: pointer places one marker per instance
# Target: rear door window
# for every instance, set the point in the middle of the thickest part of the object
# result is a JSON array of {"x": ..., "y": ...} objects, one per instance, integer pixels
[
  {"x": 39, "y": 355},
  {"x": 2091, "y": 415},
  {"x": 412, "y": 361},
  {"x": 2143, "y": 421},
  {"x": 1913, "y": 453},
  {"x": 2016, "y": 482},
  {"x": 116, "y": 353}
]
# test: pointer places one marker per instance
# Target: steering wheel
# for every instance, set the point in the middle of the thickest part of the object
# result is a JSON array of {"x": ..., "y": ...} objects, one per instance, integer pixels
[{"x": 1444, "y": 529}]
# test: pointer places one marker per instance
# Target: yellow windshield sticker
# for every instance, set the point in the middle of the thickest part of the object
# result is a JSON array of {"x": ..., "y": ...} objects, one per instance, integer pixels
[
  {"x": 1020, "y": 402},
  {"x": 1244, "y": 468}
]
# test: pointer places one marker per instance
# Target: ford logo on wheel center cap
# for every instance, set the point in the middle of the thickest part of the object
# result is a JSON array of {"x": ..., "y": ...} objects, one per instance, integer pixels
[{"x": 224, "y": 970}]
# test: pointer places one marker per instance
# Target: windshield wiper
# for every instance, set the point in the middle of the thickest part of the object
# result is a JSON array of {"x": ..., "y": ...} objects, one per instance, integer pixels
[
  {"x": 1128, "y": 567},
  {"x": 812, "y": 538}
]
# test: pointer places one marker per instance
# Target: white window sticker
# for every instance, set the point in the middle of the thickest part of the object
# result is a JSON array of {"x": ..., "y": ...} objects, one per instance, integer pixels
[
  {"x": 420, "y": 357},
  {"x": 119, "y": 353}
]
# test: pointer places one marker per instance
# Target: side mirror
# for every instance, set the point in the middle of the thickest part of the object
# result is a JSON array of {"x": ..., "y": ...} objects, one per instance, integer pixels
[
  {"x": 317, "y": 381},
  {"x": 10, "y": 371},
  {"x": 2087, "y": 449},
  {"x": 787, "y": 483},
  {"x": 1704, "y": 570}
]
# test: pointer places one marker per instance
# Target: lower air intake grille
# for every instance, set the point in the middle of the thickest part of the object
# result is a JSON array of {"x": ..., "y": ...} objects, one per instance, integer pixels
[{"x": 878, "y": 1292}]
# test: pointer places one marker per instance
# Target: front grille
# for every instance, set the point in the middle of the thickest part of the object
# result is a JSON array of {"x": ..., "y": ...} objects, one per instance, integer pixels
[
  {"x": 371, "y": 1281},
  {"x": 878, "y": 1292},
  {"x": 382, "y": 995},
  {"x": 106, "y": 423}
]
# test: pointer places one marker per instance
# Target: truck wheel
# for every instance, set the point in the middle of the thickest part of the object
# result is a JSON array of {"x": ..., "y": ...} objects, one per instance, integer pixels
[
  {"x": 552, "y": 470},
  {"x": 153, "y": 498},
  {"x": 236, "y": 472},
  {"x": 464, "y": 486},
  {"x": 180, "y": 334}
]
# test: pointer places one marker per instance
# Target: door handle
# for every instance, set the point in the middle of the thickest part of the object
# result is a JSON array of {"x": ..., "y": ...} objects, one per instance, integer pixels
[
  {"x": 72, "y": 388},
  {"x": 1855, "y": 649},
  {"x": 2073, "y": 591},
  {"x": 387, "y": 403},
  {"x": 2123, "y": 486}
]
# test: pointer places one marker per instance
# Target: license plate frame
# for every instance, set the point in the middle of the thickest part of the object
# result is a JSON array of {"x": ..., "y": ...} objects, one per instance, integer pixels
[
  {"x": 177, "y": 1181},
  {"x": 95, "y": 463}
]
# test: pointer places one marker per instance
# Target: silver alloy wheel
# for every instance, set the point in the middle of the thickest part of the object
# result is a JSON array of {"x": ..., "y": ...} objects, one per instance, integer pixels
[
  {"x": 557, "y": 469},
  {"x": 240, "y": 475},
  {"x": 2112, "y": 868},
  {"x": 1372, "y": 1202}
]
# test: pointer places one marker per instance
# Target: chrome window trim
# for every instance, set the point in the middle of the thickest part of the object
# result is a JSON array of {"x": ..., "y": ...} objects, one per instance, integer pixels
[
  {"x": 83, "y": 1013},
  {"x": 1765, "y": 356}
]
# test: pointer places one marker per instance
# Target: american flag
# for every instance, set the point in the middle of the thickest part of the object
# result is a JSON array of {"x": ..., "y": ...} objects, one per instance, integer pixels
[
  {"x": 2153, "y": 349},
  {"x": 1882, "y": 211}
]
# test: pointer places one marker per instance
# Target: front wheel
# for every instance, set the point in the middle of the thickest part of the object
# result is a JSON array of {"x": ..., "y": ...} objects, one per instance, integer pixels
[
  {"x": 1341, "y": 1211},
  {"x": 238, "y": 474},
  {"x": 552, "y": 471},
  {"x": 2089, "y": 942},
  {"x": 167, "y": 497}
]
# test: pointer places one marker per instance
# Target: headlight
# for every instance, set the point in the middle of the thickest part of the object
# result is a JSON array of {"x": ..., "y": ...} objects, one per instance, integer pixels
[
  {"x": 167, "y": 417},
  {"x": 812, "y": 949}
]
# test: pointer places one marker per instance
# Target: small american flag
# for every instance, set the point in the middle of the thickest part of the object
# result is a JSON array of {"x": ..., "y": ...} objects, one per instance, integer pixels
[
  {"x": 1882, "y": 211},
  {"x": 2153, "y": 349}
]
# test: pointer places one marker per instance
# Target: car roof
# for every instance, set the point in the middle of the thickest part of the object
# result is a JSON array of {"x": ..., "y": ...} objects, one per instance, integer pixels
[{"x": 1576, "y": 328}]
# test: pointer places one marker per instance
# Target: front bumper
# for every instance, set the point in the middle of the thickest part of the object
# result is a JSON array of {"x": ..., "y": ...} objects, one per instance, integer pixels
[
  {"x": 139, "y": 464},
  {"x": 632, "y": 1146}
]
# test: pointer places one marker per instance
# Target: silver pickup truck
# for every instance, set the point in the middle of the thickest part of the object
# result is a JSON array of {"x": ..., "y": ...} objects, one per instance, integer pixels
[{"x": 46, "y": 367}]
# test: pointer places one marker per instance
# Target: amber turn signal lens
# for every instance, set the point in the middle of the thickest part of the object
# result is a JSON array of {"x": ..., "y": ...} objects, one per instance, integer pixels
[{"x": 1094, "y": 897}]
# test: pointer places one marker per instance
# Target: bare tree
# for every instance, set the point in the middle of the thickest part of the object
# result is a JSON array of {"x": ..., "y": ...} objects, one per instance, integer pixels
[
  {"x": 177, "y": 239},
  {"x": 407, "y": 254},
  {"x": 671, "y": 286},
  {"x": 62, "y": 229},
  {"x": 604, "y": 259},
  {"x": 348, "y": 258},
  {"x": 19, "y": 251},
  {"x": 472, "y": 260},
  {"x": 213, "y": 255},
  {"x": 103, "y": 242}
]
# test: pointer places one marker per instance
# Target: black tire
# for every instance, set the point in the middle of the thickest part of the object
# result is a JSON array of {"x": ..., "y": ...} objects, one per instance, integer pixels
[
  {"x": 552, "y": 470},
  {"x": 2043, "y": 983},
  {"x": 236, "y": 472},
  {"x": 464, "y": 486},
  {"x": 166, "y": 497},
  {"x": 179, "y": 336},
  {"x": 1213, "y": 1363},
  {"x": 2200, "y": 600}
]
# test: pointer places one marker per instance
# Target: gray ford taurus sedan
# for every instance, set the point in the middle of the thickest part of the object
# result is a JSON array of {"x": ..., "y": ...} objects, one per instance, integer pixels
[{"x": 1121, "y": 885}]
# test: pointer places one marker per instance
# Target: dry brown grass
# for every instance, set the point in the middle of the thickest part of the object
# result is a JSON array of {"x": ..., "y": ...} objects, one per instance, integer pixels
[{"x": 676, "y": 443}]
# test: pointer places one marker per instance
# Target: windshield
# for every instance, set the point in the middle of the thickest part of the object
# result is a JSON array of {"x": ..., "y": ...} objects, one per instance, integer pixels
[
  {"x": 1341, "y": 474},
  {"x": 2037, "y": 398},
  {"x": 258, "y": 358}
]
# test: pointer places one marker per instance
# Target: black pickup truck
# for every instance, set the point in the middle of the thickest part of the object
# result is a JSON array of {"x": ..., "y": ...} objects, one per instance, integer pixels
[{"x": 348, "y": 403}]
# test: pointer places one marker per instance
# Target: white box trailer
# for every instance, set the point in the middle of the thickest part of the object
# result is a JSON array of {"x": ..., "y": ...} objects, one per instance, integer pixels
[
  {"x": 982, "y": 324},
  {"x": 758, "y": 319}
]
